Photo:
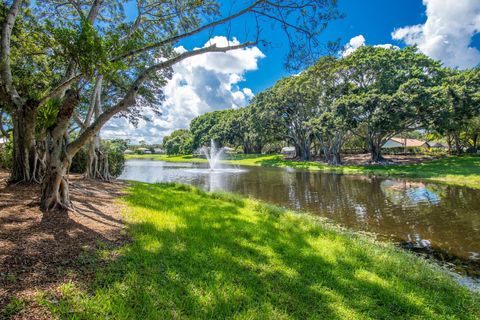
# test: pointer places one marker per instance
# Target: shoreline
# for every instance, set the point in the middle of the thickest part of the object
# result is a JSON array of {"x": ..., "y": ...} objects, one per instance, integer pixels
[{"x": 462, "y": 171}]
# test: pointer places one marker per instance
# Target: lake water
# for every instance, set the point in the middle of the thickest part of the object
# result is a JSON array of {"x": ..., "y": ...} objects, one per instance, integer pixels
[{"x": 437, "y": 220}]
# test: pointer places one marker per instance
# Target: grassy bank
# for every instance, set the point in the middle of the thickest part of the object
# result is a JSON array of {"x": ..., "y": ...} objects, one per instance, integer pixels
[
  {"x": 461, "y": 171},
  {"x": 217, "y": 256}
]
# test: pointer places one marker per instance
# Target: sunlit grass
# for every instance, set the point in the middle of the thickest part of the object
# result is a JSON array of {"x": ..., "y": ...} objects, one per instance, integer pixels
[
  {"x": 461, "y": 171},
  {"x": 216, "y": 256}
]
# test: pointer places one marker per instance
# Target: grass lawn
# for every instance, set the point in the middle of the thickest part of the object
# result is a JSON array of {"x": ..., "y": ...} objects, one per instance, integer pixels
[
  {"x": 461, "y": 171},
  {"x": 215, "y": 256}
]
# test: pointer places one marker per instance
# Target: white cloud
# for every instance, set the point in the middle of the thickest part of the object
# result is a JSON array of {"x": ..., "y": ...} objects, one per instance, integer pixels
[
  {"x": 447, "y": 33},
  {"x": 352, "y": 45},
  {"x": 359, "y": 41},
  {"x": 199, "y": 84}
]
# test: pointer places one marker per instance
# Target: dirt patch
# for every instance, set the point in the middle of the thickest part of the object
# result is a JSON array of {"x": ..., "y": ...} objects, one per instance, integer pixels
[
  {"x": 38, "y": 251},
  {"x": 364, "y": 159}
]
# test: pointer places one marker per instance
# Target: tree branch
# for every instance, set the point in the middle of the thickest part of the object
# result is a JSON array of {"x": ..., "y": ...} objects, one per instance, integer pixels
[
  {"x": 60, "y": 88},
  {"x": 188, "y": 34},
  {"x": 130, "y": 96}
]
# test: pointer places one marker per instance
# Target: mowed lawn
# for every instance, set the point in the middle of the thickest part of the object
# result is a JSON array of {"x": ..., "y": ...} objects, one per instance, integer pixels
[
  {"x": 197, "y": 255},
  {"x": 454, "y": 170}
]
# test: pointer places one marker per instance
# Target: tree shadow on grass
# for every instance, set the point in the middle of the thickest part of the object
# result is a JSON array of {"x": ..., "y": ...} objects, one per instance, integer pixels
[{"x": 198, "y": 255}]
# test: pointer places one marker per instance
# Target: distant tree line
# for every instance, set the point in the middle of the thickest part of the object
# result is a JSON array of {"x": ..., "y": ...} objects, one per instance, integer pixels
[{"x": 361, "y": 100}]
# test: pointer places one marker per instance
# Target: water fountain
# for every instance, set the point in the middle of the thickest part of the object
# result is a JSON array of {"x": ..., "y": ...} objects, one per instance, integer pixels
[{"x": 212, "y": 154}]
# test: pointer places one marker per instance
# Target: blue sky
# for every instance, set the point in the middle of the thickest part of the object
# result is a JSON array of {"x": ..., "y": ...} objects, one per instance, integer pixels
[
  {"x": 374, "y": 19},
  {"x": 446, "y": 30}
]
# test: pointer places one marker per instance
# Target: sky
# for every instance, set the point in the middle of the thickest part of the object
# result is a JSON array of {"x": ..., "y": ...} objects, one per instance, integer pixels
[{"x": 446, "y": 30}]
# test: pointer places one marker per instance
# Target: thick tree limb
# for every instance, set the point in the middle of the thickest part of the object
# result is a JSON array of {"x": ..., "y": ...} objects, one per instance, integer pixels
[
  {"x": 59, "y": 89},
  {"x": 7, "y": 87}
]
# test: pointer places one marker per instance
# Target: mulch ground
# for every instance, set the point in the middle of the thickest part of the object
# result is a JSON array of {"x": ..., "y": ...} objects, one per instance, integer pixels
[{"x": 38, "y": 250}]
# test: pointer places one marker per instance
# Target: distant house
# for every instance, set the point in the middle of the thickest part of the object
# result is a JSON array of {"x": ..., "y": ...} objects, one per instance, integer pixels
[
  {"x": 289, "y": 151},
  {"x": 400, "y": 143},
  {"x": 128, "y": 151},
  {"x": 439, "y": 145},
  {"x": 228, "y": 150},
  {"x": 158, "y": 151},
  {"x": 142, "y": 150},
  {"x": 147, "y": 152}
]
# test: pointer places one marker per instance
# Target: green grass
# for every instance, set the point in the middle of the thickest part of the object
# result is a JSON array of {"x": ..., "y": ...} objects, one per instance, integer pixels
[
  {"x": 454, "y": 170},
  {"x": 198, "y": 255}
]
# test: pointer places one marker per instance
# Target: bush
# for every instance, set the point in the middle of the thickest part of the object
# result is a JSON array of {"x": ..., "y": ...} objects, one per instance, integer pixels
[
  {"x": 6, "y": 155},
  {"x": 79, "y": 161},
  {"x": 116, "y": 162}
]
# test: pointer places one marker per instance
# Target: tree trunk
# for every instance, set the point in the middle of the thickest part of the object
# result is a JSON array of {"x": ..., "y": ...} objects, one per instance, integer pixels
[
  {"x": 55, "y": 192},
  {"x": 458, "y": 147},
  {"x": 304, "y": 149},
  {"x": 375, "y": 151},
  {"x": 24, "y": 159},
  {"x": 97, "y": 165},
  {"x": 336, "y": 159}
]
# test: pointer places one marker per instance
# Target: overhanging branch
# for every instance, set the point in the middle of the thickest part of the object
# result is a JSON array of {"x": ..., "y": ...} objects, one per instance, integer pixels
[{"x": 129, "y": 98}]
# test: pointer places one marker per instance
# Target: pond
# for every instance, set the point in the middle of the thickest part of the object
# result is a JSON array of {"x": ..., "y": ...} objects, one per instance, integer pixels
[{"x": 436, "y": 220}]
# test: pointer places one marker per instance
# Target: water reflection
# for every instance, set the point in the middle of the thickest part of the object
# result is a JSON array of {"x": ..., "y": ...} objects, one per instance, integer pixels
[{"x": 422, "y": 216}]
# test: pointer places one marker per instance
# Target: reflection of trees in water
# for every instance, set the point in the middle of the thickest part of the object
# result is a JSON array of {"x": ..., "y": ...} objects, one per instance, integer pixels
[{"x": 446, "y": 216}]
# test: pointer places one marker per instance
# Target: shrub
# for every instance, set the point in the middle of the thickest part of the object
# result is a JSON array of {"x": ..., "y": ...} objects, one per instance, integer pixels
[{"x": 6, "y": 155}]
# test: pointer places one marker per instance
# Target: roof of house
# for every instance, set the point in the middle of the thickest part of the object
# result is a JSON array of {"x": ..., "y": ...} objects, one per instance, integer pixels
[{"x": 410, "y": 142}]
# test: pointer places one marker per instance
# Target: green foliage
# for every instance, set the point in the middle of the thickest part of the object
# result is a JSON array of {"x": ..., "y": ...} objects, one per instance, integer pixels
[
  {"x": 80, "y": 161},
  {"x": 46, "y": 115},
  {"x": 116, "y": 158},
  {"x": 82, "y": 44},
  {"x": 178, "y": 142},
  {"x": 114, "y": 150},
  {"x": 200, "y": 255},
  {"x": 6, "y": 155},
  {"x": 14, "y": 307},
  {"x": 34, "y": 68},
  {"x": 391, "y": 90}
]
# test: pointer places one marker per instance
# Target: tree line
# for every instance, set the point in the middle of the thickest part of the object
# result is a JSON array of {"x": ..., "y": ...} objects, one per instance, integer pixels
[
  {"x": 68, "y": 67},
  {"x": 363, "y": 99}
]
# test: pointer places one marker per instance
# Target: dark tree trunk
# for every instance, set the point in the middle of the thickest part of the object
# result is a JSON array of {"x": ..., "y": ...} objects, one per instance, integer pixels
[
  {"x": 336, "y": 159},
  {"x": 458, "y": 147},
  {"x": 24, "y": 157},
  {"x": 257, "y": 149},
  {"x": 449, "y": 143},
  {"x": 375, "y": 151},
  {"x": 304, "y": 149}
]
